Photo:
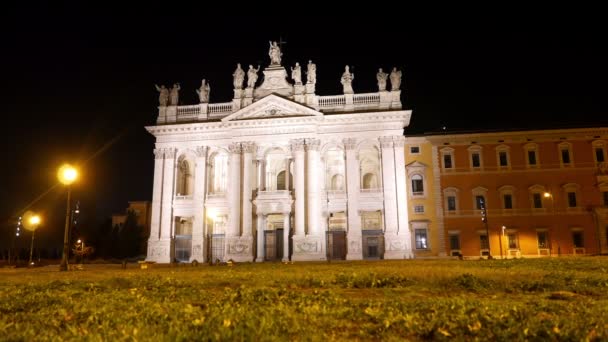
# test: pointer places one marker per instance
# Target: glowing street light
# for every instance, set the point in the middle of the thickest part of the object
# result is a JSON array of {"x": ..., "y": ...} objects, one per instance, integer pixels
[
  {"x": 31, "y": 222},
  {"x": 66, "y": 174}
]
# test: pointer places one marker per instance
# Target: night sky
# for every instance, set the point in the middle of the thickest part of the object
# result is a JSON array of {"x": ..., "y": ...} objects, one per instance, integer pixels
[{"x": 76, "y": 79}]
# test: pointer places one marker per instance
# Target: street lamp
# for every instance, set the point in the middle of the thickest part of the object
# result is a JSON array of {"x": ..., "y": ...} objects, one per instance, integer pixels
[
  {"x": 500, "y": 238},
  {"x": 80, "y": 243},
  {"x": 34, "y": 222},
  {"x": 66, "y": 174},
  {"x": 484, "y": 219},
  {"x": 549, "y": 195}
]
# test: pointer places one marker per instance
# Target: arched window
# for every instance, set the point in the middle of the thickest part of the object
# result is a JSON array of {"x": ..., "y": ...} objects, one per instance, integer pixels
[
  {"x": 281, "y": 181},
  {"x": 369, "y": 163},
  {"x": 184, "y": 185},
  {"x": 370, "y": 181},
  {"x": 337, "y": 182},
  {"x": 417, "y": 185}
]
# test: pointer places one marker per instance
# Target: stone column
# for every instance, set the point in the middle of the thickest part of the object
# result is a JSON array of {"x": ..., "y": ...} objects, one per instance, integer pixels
[
  {"x": 165, "y": 253},
  {"x": 287, "y": 173},
  {"x": 155, "y": 217},
  {"x": 286, "y": 229},
  {"x": 248, "y": 150},
  {"x": 235, "y": 190},
  {"x": 391, "y": 224},
  {"x": 198, "y": 226},
  {"x": 261, "y": 226},
  {"x": 314, "y": 208},
  {"x": 297, "y": 148},
  {"x": 402, "y": 206},
  {"x": 354, "y": 251}
]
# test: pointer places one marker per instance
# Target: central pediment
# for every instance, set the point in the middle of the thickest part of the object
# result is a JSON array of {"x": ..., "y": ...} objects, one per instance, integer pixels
[{"x": 270, "y": 107}]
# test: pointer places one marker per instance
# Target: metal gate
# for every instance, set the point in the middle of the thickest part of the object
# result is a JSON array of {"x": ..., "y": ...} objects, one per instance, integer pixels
[
  {"x": 336, "y": 245},
  {"x": 217, "y": 242},
  {"x": 373, "y": 244}
]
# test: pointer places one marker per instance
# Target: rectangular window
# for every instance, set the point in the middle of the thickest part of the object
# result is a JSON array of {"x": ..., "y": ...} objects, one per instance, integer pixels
[
  {"x": 447, "y": 161},
  {"x": 512, "y": 238},
  {"x": 543, "y": 239},
  {"x": 577, "y": 239},
  {"x": 531, "y": 157},
  {"x": 538, "y": 201},
  {"x": 566, "y": 156},
  {"x": 508, "y": 201},
  {"x": 599, "y": 154},
  {"x": 454, "y": 241},
  {"x": 415, "y": 150},
  {"x": 476, "y": 160},
  {"x": 572, "y": 199},
  {"x": 451, "y": 203},
  {"x": 480, "y": 202},
  {"x": 421, "y": 240},
  {"x": 419, "y": 209},
  {"x": 502, "y": 156},
  {"x": 483, "y": 242},
  {"x": 605, "y": 195}
]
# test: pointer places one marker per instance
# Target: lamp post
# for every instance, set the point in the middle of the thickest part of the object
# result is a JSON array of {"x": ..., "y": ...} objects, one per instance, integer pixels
[
  {"x": 484, "y": 219},
  {"x": 549, "y": 195},
  {"x": 67, "y": 174},
  {"x": 500, "y": 238},
  {"x": 34, "y": 221},
  {"x": 81, "y": 244}
]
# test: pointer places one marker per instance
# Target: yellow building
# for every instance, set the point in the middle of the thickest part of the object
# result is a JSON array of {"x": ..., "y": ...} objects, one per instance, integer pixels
[{"x": 511, "y": 193}]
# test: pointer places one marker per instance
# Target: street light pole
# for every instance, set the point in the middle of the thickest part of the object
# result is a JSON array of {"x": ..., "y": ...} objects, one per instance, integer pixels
[
  {"x": 66, "y": 233},
  {"x": 67, "y": 175},
  {"x": 484, "y": 219}
]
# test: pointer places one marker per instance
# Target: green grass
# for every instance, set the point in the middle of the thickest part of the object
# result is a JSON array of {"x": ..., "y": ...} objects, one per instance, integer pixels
[{"x": 544, "y": 299}]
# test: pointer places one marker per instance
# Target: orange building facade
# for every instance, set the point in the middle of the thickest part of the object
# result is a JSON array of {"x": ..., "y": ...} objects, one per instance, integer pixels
[{"x": 518, "y": 194}]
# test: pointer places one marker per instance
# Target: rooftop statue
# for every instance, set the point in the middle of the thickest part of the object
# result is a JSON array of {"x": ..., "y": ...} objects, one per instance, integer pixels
[
  {"x": 163, "y": 96},
  {"x": 174, "y": 95},
  {"x": 275, "y": 53},
  {"x": 239, "y": 77},
  {"x": 395, "y": 79},
  {"x": 381, "y": 76},
  {"x": 347, "y": 81},
  {"x": 296, "y": 73},
  {"x": 311, "y": 73},
  {"x": 252, "y": 76},
  {"x": 203, "y": 92}
]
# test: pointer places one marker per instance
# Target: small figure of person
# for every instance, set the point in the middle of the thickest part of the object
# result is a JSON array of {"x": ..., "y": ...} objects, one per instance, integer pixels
[
  {"x": 347, "y": 81},
  {"x": 163, "y": 96},
  {"x": 252, "y": 76},
  {"x": 275, "y": 53},
  {"x": 239, "y": 77},
  {"x": 174, "y": 96},
  {"x": 381, "y": 76},
  {"x": 395, "y": 79},
  {"x": 311, "y": 73},
  {"x": 203, "y": 92},
  {"x": 296, "y": 73}
]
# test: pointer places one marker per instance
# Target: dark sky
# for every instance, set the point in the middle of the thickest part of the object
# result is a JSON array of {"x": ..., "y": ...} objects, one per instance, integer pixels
[{"x": 77, "y": 78}]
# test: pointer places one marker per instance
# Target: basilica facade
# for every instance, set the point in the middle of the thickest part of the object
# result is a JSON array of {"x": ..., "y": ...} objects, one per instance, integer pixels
[{"x": 281, "y": 173}]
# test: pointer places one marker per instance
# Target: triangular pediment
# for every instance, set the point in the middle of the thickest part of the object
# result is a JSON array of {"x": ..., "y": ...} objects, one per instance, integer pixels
[{"x": 270, "y": 107}]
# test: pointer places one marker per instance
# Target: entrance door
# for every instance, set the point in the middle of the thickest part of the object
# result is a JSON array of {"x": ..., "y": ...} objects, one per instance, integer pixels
[
  {"x": 373, "y": 244},
  {"x": 279, "y": 244},
  {"x": 336, "y": 245},
  {"x": 217, "y": 247},
  {"x": 270, "y": 245}
]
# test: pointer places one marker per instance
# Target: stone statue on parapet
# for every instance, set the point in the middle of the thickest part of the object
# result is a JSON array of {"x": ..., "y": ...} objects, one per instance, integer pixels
[
  {"x": 296, "y": 73},
  {"x": 347, "y": 81},
  {"x": 163, "y": 96},
  {"x": 275, "y": 53},
  {"x": 252, "y": 76},
  {"x": 311, "y": 73},
  {"x": 203, "y": 92},
  {"x": 238, "y": 77},
  {"x": 381, "y": 76},
  {"x": 174, "y": 95},
  {"x": 395, "y": 79}
]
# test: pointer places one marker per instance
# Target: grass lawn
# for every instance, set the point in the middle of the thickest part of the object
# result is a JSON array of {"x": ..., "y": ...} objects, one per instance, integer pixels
[{"x": 532, "y": 299}]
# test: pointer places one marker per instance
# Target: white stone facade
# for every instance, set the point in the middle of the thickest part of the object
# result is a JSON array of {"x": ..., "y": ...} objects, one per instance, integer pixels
[{"x": 281, "y": 173}]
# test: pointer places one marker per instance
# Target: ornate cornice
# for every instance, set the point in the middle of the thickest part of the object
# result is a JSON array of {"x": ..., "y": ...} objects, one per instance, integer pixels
[
  {"x": 386, "y": 142},
  {"x": 350, "y": 143},
  {"x": 313, "y": 144}
]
